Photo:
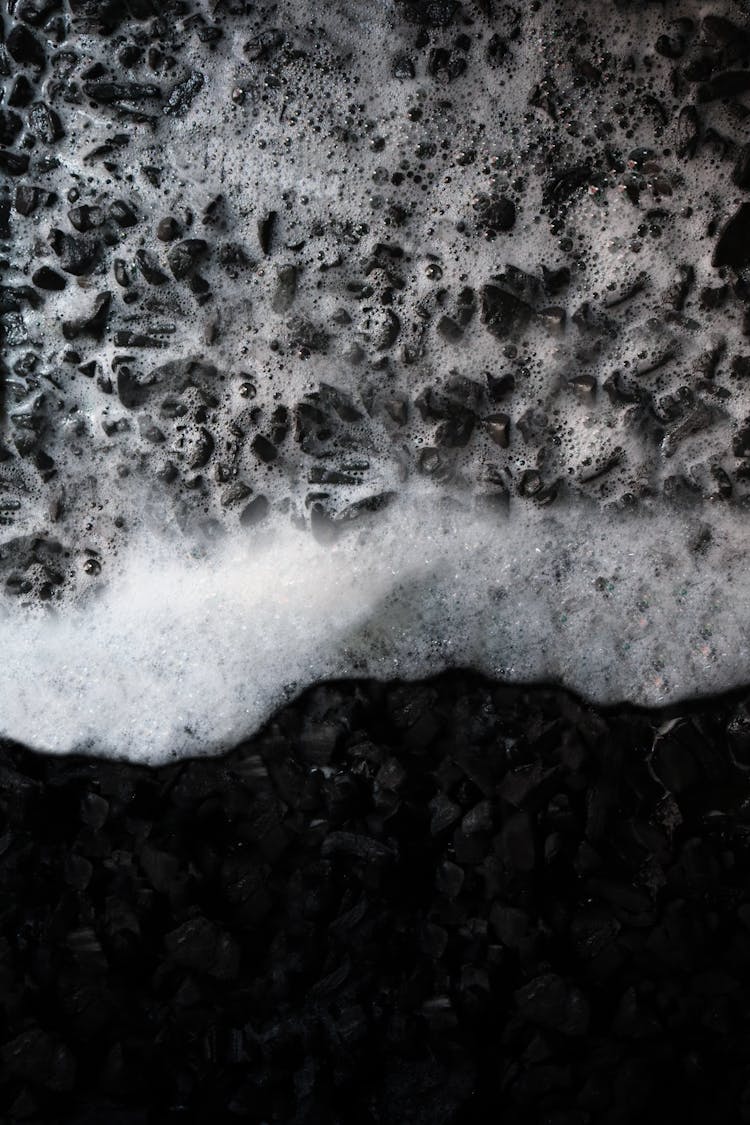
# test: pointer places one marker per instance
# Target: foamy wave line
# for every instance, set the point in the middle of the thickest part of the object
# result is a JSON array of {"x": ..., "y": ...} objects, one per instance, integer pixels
[{"x": 185, "y": 653}]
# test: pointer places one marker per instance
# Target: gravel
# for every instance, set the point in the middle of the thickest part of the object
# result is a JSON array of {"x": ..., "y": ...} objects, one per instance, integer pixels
[{"x": 445, "y": 901}]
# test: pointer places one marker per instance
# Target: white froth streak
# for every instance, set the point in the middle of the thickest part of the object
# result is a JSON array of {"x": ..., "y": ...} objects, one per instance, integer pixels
[{"x": 183, "y": 655}]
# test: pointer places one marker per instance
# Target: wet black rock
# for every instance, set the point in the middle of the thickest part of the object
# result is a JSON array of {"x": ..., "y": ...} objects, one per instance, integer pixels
[
  {"x": 562, "y": 184},
  {"x": 430, "y": 13},
  {"x": 498, "y": 428},
  {"x": 45, "y": 123},
  {"x": 263, "y": 45},
  {"x": 550, "y": 1002},
  {"x": 10, "y": 126},
  {"x": 28, "y": 198},
  {"x": 122, "y": 213},
  {"x": 85, "y": 218},
  {"x": 183, "y": 93},
  {"x": 183, "y": 258},
  {"x": 671, "y": 46},
  {"x": 25, "y": 47},
  {"x": 449, "y": 329},
  {"x": 22, "y": 92},
  {"x": 46, "y": 278},
  {"x": 556, "y": 280},
  {"x": 733, "y": 246},
  {"x": 168, "y": 229},
  {"x": 495, "y": 213},
  {"x": 688, "y": 131},
  {"x": 503, "y": 313},
  {"x": 403, "y": 67},
  {"x": 550, "y": 898},
  {"x": 264, "y": 449},
  {"x": 150, "y": 270},
  {"x": 13, "y": 163},
  {"x": 132, "y": 391},
  {"x": 76, "y": 256},
  {"x": 266, "y": 227},
  {"x": 201, "y": 945}
]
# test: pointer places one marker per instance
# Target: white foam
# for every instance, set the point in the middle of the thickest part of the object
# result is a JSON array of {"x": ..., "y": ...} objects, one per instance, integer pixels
[
  {"x": 184, "y": 655},
  {"x": 154, "y": 642}
]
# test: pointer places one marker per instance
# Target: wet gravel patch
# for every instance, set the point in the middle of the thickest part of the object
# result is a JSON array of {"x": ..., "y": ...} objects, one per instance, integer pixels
[{"x": 448, "y": 901}]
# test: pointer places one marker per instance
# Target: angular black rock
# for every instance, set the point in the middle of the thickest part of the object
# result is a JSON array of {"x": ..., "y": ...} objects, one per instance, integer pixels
[
  {"x": 25, "y": 47},
  {"x": 184, "y": 257},
  {"x": 503, "y": 313}
]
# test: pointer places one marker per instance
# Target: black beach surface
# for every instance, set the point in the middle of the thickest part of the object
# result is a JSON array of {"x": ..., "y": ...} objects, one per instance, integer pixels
[
  {"x": 346, "y": 341},
  {"x": 445, "y": 902}
]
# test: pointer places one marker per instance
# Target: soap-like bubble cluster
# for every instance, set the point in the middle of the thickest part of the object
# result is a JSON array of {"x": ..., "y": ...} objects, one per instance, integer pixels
[{"x": 284, "y": 271}]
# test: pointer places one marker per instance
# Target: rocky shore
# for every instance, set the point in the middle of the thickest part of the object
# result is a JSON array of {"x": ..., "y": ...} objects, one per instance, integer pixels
[{"x": 449, "y": 901}]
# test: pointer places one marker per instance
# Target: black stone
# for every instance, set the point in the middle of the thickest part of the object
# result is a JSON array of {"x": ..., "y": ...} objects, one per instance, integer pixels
[
  {"x": 183, "y": 258},
  {"x": 77, "y": 255},
  {"x": 670, "y": 46},
  {"x": 22, "y": 92},
  {"x": 27, "y": 199},
  {"x": 13, "y": 163},
  {"x": 24, "y": 47},
  {"x": 733, "y": 246},
  {"x": 10, "y": 126},
  {"x": 722, "y": 86},
  {"x": 168, "y": 229},
  {"x": 285, "y": 289},
  {"x": 449, "y": 329},
  {"x": 264, "y": 449},
  {"x": 266, "y": 228},
  {"x": 122, "y": 213},
  {"x": 182, "y": 94},
  {"x": 498, "y": 428},
  {"x": 150, "y": 270},
  {"x": 45, "y": 123},
  {"x": 552, "y": 1003},
  {"x": 46, "y": 278},
  {"x": 688, "y": 131},
  {"x": 495, "y": 213},
  {"x": 85, "y": 218},
  {"x": 263, "y": 45},
  {"x": 403, "y": 68},
  {"x": 504, "y": 314},
  {"x": 132, "y": 391},
  {"x": 562, "y": 184},
  {"x": 555, "y": 280},
  {"x": 297, "y": 879}
]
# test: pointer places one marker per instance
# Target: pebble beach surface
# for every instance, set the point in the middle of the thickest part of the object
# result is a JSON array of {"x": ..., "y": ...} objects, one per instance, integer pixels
[{"x": 343, "y": 345}]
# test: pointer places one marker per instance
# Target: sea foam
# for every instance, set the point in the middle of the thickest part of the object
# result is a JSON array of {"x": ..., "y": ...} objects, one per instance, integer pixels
[
  {"x": 441, "y": 360},
  {"x": 185, "y": 655}
]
